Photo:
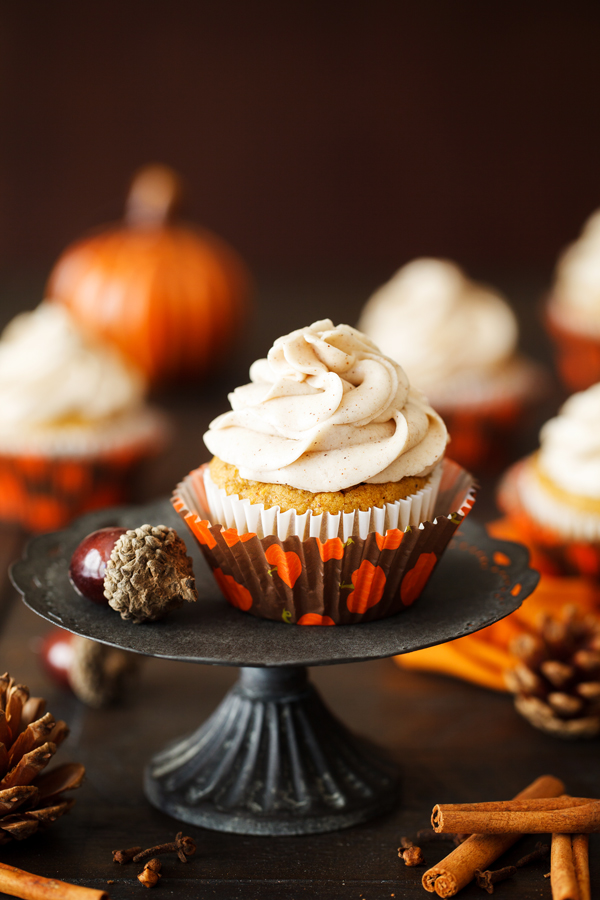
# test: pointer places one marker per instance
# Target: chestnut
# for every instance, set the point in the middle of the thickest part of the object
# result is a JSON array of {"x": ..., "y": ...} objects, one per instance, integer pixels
[{"x": 88, "y": 563}]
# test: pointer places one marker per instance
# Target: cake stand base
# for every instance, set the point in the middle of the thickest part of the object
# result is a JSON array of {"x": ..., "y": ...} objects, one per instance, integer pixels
[{"x": 272, "y": 760}]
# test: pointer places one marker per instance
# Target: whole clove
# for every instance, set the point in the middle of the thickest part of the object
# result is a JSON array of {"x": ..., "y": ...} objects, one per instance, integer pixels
[
  {"x": 150, "y": 874},
  {"x": 489, "y": 877},
  {"x": 412, "y": 856},
  {"x": 125, "y": 856},
  {"x": 542, "y": 851},
  {"x": 183, "y": 846}
]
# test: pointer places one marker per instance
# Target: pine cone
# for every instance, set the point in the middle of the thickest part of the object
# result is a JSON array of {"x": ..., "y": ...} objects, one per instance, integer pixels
[
  {"x": 98, "y": 673},
  {"x": 149, "y": 574},
  {"x": 557, "y": 680},
  {"x": 28, "y": 741}
]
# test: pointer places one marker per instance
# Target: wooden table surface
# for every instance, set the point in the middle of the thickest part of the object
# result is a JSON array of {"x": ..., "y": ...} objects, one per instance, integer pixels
[{"x": 454, "y": 742}]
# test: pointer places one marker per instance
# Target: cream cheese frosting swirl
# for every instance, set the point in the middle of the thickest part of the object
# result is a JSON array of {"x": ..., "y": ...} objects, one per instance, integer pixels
[
  {"x": 576, "y": 292},
  {"x": 439, "y": 323},
  {"x": 570, "y": 445},
  {"x": 325, "y": 411},
  {"x": 50, "y": 373}
]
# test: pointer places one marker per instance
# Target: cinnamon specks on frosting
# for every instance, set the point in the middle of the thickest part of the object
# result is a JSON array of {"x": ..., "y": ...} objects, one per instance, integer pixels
[{"x": 326, "y": 410}]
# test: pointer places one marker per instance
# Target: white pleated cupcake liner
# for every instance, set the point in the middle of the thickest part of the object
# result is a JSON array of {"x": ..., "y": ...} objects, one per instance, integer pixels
[
  {"x": 232, "y": 512},
  {"x": 520, "y": 381},
  {"x": 551, "y": 512},
  {"x": 319, "y": 579}
]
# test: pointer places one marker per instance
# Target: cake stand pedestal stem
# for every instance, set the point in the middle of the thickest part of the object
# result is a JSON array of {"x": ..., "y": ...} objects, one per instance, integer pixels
[{"x": 272, "y": 760}]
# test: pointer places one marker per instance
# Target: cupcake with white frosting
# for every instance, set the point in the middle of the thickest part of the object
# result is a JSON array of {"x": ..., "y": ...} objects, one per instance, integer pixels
[
  {"x": 457, "y": 340},
  {"x": 73, "y": 421},
  {"x": 553, "y": 496},
  {"x": 327, "y": 485},
  {"x": 573, "y": 310}
]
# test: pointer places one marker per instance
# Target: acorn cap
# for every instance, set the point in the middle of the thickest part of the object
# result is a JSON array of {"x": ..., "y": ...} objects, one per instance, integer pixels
[{"x": 149, "y": 573}]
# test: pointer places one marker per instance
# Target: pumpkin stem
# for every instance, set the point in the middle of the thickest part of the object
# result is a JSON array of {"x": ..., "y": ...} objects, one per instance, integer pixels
[{"x": 154, "y": 195}]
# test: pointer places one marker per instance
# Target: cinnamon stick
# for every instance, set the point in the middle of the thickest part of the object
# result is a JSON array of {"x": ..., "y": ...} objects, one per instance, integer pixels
[
  {"x": 562, "y": 871},
  {"x": 22, "y": 884},
  {"x": 545, "y": 803},
  {"x": 579, "y": 846},
  {"x": 578, "y": 819},
  {"x": 480, "y": 850}
]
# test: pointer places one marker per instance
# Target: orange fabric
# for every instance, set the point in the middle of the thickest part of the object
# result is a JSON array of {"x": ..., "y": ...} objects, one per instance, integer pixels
[{"x": 483, "y": 657}]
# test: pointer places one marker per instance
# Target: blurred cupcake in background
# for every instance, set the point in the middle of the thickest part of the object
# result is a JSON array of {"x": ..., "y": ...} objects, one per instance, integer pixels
[
  {"x": 73, "y": 421},
  {"x": 457, "y": 340},
  {"x": 553, "y": 496},
  {"x": 573, "y": 310}
]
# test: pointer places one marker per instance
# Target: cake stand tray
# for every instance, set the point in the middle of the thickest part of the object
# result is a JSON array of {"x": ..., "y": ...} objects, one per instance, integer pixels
[{"x": 272, "y": 759}]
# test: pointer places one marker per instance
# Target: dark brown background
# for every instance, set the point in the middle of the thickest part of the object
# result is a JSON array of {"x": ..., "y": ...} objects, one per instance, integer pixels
[
  {"x": 315, "y": 136},
  {"x": 329, "y": 142}
]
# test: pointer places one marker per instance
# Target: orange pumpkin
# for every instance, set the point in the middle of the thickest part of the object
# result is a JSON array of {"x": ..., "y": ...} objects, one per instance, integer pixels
[
  {"x": 369, "y": 585},
  {"x": 238, "y": 595},
  {"x": 232, "y": 536},
  {"x": 287, "y": 565},
  {"x": 331, "y": 549},
  {"x": 315, "y": 619},
  {"x": 416, "y": 578},
  {"x": 171, "y": 296},
  {"x": 391, "y": 541}
]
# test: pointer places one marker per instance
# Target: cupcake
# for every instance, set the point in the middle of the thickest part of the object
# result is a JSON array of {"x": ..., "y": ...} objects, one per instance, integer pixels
[
  {"x": 73, "y": 422},
  {"x": 457, "y": 341},
  {"x": 328, "y": 500},
  {"x": 553, "y": 496},
  {"x": 573, "y": 310}
]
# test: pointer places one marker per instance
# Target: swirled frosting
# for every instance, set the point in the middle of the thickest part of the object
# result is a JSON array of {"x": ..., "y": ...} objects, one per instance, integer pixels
[
  {"x": 51, "y": 373},
  {"x": 576, "y": 292},
  {"x": 570, "y": 445},
  {"x": 439, "y": 323},
  {"x": 326, "y": 410}
]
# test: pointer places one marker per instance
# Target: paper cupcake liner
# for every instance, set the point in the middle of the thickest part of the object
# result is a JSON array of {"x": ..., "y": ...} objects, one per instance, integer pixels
[
  {"x": 577, "y": 353},
  {"x": 312, "y": 581},
  {"x": 44, "y": 492},
  {"x": 141, "y": 429},
  {"x": 566, "y": 540},
  {"x": 516, "y": 383},
  {"x": 482, "y": 422},
  {"x": 231, "y": 512}
]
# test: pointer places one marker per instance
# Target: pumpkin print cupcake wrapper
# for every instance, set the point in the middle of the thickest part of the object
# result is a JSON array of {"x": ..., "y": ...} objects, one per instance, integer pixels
[
  {"x": 44, "y": 494},
  {"x": 331, "y": 582},
  {"x": 45, "y": 484},
  {"x": 577, "y": 354},
  {"x": 562, "y": 550},
  {"x": 231, "y": 512},
  {"x": 480, "y": 428}
]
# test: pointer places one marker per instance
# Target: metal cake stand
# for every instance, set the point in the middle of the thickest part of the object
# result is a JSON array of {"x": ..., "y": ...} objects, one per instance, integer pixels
[{"x": 272, "y": 759}]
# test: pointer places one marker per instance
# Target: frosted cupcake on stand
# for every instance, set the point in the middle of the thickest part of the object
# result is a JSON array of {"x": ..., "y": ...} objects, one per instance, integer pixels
[
  {"x": 573, "y": 309},
  {"x": 328, "y": 500},
  {"x": 553, "y": 496},
  {"x": 73, "y": 421},
  {"x": 457, "y": 340}
]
